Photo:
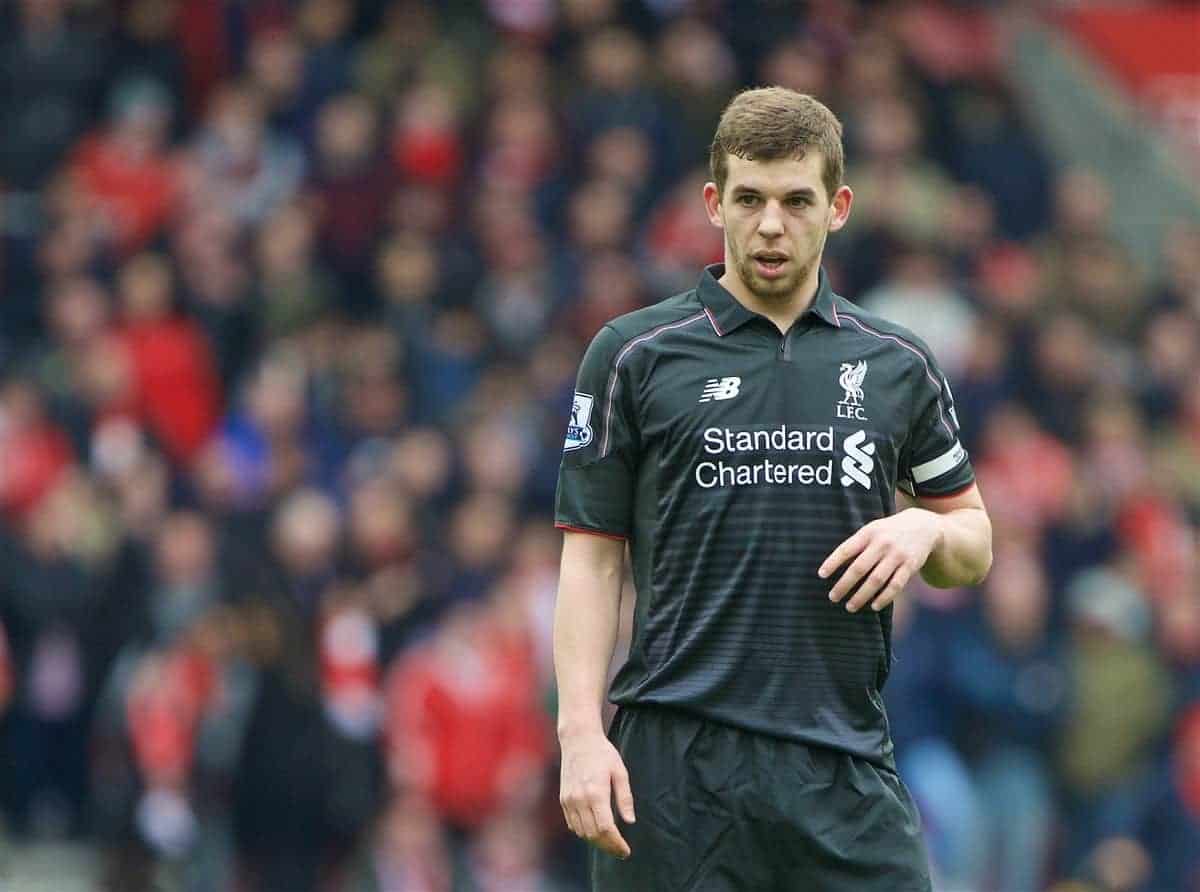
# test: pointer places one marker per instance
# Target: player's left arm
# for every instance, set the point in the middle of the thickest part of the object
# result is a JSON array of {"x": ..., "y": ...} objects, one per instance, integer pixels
[{"x": 948, "y": 539}]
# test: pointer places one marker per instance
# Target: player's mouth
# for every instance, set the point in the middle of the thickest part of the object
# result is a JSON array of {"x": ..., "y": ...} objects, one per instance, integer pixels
[{"x": 770, "y": 264}]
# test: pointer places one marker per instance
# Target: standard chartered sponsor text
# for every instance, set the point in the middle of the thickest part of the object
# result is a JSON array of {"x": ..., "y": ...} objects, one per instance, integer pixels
[{"x": 720, "y": 441}]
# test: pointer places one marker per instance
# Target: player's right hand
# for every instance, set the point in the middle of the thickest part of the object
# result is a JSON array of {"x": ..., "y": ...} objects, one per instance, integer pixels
[{"x": 592, "y": 775}]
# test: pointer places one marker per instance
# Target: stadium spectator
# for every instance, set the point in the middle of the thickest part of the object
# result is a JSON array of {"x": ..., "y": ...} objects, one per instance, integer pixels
[
  {"x": 465, "y": 730},
  {"x": 52, "y": 70},
  {"x": 917, "y": 294},
  {"x": 1008, "y": 679},
  {"x": 1118, "y": 694},
  {"x": 173, "y": 385},
  {"x": 351, "y": 184},
  {"x": 236, "y": 163},
  {"x": 126, "y": 170}
]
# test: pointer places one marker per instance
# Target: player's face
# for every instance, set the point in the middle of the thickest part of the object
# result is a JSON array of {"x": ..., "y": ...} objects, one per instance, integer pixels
[{"x": 776, "y": 216}]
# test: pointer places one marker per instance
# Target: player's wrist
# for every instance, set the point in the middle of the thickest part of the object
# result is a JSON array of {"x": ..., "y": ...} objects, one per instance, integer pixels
[
  {"x": 938, "y": 522},
  {"x": 574, "y": 727},
  {"x": 931, "y": 518},
  {"x": 934, "y": 524}
]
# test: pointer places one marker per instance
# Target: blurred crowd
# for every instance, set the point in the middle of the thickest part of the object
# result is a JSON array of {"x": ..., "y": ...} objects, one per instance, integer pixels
[{"x": 293, "y": 295}]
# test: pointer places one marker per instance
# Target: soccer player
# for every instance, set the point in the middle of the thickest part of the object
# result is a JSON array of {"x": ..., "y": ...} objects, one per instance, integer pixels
[{"x": 745, "y": 441}]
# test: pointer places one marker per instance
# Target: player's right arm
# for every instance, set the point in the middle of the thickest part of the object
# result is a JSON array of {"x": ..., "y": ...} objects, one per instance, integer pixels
[
  {"x": 594, "y": 508},
  {"x": 585, "y": 633}
]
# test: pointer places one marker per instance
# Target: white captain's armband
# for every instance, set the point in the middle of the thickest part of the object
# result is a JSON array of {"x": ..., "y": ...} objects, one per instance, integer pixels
[{"x": 936, "y": 467}]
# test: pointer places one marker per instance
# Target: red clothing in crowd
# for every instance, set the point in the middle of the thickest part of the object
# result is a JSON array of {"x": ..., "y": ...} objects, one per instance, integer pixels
[
  {"x": 679, "y": 234},
  {"x": 1027, "y": 477},
  {"x": 1156, "y": 533},
  {"x": 465, "y": 721},
  {"x": 6, "y": 675},
  {"x": 428, "y": 155},
  {"x": 352, "y": 208},
  {"x": 1187, "y": 759},
  {"x": 165, "y": 707},
  {"x": 137, "y": 196},
  {"x": 176, "y": 391},
  {"x": 34, "y": 458}
]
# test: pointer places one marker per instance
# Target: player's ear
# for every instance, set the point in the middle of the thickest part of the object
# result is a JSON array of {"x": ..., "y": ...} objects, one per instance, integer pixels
[
  {"x": 839, "y": 208},
  {"x": 712, "y": 204}
]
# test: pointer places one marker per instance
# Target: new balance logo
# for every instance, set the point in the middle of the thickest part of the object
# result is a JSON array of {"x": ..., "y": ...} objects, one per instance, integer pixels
[
  {"x": 858, "y": 462},
  {"x": 720, "y": 389}
]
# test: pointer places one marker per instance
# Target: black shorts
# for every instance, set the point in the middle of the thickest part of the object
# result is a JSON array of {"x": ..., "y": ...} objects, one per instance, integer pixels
[{"x": 721, "y": 809}]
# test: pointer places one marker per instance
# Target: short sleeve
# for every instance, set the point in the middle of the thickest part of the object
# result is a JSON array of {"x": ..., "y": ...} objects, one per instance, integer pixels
[
  {"x": 934, "y": 462},
  {"x": 598, "y": 474}
]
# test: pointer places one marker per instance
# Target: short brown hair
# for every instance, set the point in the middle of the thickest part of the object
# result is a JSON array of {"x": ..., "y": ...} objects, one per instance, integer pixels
[{"x": 768, "y": 123}]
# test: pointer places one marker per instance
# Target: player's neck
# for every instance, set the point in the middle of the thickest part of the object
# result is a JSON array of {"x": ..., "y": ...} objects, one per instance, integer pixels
[{"x": 783, "y": 310}]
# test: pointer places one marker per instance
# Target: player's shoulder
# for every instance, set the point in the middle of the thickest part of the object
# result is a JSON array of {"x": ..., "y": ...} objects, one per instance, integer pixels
[
  {"x": 863, "y": 323},
  {"x": 679, "y": 309}
]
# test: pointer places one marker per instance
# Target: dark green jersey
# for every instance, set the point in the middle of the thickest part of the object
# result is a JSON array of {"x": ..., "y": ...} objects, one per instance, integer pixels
[{"x": 734, "y": 460}]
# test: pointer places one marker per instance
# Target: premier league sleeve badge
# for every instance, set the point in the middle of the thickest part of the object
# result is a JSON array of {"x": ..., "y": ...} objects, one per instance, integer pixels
[{"x": 579, "y": 429}]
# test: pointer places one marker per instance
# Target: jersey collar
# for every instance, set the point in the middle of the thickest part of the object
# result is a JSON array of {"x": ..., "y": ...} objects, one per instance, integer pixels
[{"x": 726, "y": 313}]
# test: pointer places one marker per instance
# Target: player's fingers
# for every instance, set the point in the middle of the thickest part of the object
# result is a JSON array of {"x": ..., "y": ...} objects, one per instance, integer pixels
[
  {"x": 587, "y": 821},
  {"x": 608, "y": 838},
  {"x": 614, "y": 843},
  {"x": 572, "y": 819},
  {"x": 854, "y": 573},
  {"x": 893, "y": 589},
  {"x": 879, "y": 577},
  {"x": 570, "y": 809},
  {"x": 624, "y": 795},
  {"x": 841, "y": 554}
]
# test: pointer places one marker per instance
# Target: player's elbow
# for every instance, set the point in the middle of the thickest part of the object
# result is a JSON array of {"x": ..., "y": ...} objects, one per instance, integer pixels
[
  {"x": 985, "y": 565},
  {"x": 969, "y": 559},
  {"x": 981, "y": 563},
  {"x": 939, "y": 578},
  {"x": 970, "y": 569},
  {"x": 975, "y": 574}
]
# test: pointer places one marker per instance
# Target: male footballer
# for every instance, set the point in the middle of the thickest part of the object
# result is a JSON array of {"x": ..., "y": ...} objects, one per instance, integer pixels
[{"x": 745, "y": 441}]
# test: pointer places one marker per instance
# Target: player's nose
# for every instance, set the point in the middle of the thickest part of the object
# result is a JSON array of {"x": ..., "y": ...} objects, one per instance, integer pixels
[{"x": 770, "y": 222}]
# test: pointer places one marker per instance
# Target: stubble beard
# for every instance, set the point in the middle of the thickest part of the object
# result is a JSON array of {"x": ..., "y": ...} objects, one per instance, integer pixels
[
  {"x": 779, "y": 291},
  {"x": 772, "y": 291}
]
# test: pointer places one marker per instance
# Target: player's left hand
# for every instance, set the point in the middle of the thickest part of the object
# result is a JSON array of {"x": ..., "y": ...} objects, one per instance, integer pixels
[{"x": 884, "y": 554}]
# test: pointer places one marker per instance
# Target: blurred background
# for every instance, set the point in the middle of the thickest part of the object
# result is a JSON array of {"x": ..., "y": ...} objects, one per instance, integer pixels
[{"x": 293, "y": 295}]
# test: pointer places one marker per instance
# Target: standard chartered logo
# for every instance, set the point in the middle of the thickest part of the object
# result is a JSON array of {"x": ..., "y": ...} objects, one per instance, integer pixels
[
  {"x": 858, "y": 463},
  {"x": 738, "y": 458}
]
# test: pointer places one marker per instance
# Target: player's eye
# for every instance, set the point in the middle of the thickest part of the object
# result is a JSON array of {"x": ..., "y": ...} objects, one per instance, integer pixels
[
  {"x": 747, "y": 201},
  {"x": 798, "y": 201}
]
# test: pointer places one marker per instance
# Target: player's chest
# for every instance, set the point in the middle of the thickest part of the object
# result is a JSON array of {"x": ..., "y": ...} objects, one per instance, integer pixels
[{"x": 760, "y": 395}]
